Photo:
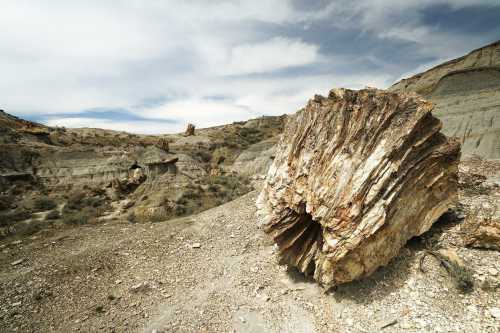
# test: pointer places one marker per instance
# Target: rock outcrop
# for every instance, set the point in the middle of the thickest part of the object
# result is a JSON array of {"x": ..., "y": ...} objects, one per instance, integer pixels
[
  {"x": 355, "y": 176},
  {"x": 466, "y": 92},
  {"x": 190, "y": 130}
]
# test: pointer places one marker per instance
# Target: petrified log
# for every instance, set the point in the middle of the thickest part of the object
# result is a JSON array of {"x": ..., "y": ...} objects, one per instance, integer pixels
[
  {"x": 356, "y": 175},
  {"x": 190, "y": 130},
  {"x": 163, "y": 145}
]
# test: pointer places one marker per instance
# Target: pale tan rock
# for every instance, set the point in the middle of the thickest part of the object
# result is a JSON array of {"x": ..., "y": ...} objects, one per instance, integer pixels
[
  {"x": 452, "y": 256},
  {"x": 483, "y": 233},
  {"x": 355, "y": 176}
]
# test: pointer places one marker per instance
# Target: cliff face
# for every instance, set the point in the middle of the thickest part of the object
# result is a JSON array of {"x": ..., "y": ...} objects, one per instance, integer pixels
[{"x": 466, "y": 92}]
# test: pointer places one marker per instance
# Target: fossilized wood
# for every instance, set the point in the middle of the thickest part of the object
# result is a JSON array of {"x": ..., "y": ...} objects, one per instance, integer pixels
[
  {"x": 356, "y": 175},
  {"x": 483, "y": 233},
  {"x": 163, "y": 144},
  {"x": 189, "y": 130}
]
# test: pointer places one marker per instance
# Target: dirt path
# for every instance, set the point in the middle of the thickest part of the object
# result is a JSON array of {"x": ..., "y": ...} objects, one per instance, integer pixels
[{"x": 217, "y": 272}]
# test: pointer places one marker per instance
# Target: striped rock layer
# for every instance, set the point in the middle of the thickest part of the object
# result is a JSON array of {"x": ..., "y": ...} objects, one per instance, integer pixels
[{"x": 356, "y": 175}]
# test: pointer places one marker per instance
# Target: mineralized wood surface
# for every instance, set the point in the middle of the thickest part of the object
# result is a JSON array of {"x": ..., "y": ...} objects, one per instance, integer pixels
[
  {"x": 189, "y": 130},
  {"x": 356, "y": 175}
]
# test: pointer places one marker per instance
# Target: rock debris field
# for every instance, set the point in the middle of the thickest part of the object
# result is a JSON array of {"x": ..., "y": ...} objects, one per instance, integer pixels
[{"x": 217, "y": 272}]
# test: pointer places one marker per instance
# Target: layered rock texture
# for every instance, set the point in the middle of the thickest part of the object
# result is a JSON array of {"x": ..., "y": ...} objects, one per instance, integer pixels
[
  {"x": 161, "y": 176},
  {"x": 466, "y": 92},
  {"x": 356, "y": 175}
]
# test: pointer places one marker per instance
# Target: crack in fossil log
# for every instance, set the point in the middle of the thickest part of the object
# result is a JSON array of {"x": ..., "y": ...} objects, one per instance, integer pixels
[{"x": 298, "y": 237}]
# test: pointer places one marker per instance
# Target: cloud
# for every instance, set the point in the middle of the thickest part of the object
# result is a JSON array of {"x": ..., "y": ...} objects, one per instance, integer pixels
[
  {"x": 405, "y": 21},
  {"x": 140, "y": 127},
  {"x": 66, "y": 61},
  {"x": 203, "y": 113},
  {"x": 276, "y": 53}
]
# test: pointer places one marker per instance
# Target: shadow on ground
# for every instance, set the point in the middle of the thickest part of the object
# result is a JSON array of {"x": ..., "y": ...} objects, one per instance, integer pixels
[{"x": 392, "y": 277}]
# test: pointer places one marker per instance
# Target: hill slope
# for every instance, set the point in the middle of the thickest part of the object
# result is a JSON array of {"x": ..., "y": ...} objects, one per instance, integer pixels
[
  {"x": 56, "y": 176},
  {"x": 466, "y": 92}
]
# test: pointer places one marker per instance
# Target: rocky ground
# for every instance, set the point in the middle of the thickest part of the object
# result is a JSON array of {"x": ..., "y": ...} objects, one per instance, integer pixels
[{"x": 218, "y": 272}]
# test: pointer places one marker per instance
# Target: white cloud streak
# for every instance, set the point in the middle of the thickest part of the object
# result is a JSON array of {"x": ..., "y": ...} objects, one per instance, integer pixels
[
  {"x": 141, "y": 127},
  {"x": 270, "y": 55}
]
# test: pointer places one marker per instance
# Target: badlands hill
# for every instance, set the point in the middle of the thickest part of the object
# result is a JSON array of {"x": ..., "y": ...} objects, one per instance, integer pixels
[
  {"x": 466, "y": 92},
  {"x": 52, "y": 177}
]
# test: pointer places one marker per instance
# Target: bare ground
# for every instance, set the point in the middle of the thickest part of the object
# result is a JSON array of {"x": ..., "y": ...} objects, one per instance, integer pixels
[{"x": 217, "y": 272}]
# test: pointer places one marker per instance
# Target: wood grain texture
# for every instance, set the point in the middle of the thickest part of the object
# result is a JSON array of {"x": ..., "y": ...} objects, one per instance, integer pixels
[{"x": 356, "y": 175}]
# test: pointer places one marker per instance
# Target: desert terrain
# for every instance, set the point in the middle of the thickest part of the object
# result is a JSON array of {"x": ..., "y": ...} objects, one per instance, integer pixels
[{"x": 110, "y": 231}]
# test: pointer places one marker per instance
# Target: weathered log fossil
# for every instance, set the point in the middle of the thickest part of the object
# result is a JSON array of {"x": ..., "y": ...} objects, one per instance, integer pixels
[
  {"x": 356, "y": 175},
  {"x": 189, "y": 130}
]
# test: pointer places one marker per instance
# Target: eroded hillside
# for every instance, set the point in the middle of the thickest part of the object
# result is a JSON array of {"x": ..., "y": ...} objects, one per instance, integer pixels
[
  {"x": 57, "y": 176},
  {"x": 466, "y": 92}
]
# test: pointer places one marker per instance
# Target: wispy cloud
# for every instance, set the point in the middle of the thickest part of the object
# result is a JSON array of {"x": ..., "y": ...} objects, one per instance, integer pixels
[{"x": 270, "y": 55}]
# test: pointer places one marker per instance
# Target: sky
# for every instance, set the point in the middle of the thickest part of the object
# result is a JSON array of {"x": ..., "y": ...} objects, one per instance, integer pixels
[{"x": 152, "y": 66}]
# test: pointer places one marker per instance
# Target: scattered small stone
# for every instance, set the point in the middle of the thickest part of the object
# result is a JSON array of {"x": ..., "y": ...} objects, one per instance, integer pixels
[
  {"x": 118, "y": 281},
  {"x": 492, "y": 271},
  {"x": 196, "y": 245},
  {"x": 16, "y": 303},
  {"x": 127, "y": 203},
  {"x": 388, "y": 324},
  {"x": 17, "y": 242},
  {"x": 495, "y": 313},
  {"x": 39, "y": 294},
  {"x": 17, "y": 262},
  {"x": 143, "y": 286}
]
